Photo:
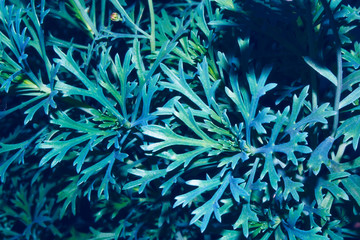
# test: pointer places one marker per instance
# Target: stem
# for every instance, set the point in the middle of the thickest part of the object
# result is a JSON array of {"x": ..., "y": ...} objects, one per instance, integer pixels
[
  {"x": 310, "y": 31},
  {"x": 152, "y": 25},
  {"x": 339, "y": 64}
]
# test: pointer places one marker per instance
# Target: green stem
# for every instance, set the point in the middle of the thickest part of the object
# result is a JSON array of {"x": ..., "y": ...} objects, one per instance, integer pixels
[
  {"x": 152, "y": 25},
  {"x": 339, "y": 64}
]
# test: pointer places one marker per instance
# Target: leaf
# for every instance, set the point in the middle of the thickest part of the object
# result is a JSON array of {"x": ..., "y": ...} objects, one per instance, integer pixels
[
  {"x": 269, "y": 167},
  {"x": 332, "y": 187},
  {"x": 295, "y": 233},
  {"x": 69, "y": 194},
  {"x": 350, "y": 128},
  {"x": 293, "y": 146},
  {"x": 350, "y": 80},
  {"x": 230, "y": 234},
  {"x": 321, "y": 69},
  {"x": 353, "y": 56},
  {"x": 298, "y": 103},
  {"x": 166, "y": 185},
  {"x": 261, "y": 118},
  {"x": 352, "y": 185},
  {"x": 226, "y": 4},
  {"x": 293, "y": 188},
  {"x": 352, "y": 97},
  {"x": 238, "y": 191},
  {"x": 318, "y": 115},
  {"x": 247, "y": 215},
  {"x": 203, "y": 186},
  {"x": 171, "y": 139},
  {"x": 320, "y": 155},
  {"x": 146, "y": 176},
  {"x": 211, "y": 206},
  {"x": 233, "y": 160},
  {"x": 179, "y": 84},
  {"x": 184, "y": 158}
]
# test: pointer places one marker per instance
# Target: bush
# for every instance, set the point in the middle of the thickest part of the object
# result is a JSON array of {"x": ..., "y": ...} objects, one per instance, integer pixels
[{"x": 245, "y": 113}]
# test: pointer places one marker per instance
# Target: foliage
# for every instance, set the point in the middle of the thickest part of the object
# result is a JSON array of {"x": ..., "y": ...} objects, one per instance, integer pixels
[{"x": 179, "y": 120}]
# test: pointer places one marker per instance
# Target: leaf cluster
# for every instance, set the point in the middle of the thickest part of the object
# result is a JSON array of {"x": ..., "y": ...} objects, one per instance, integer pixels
[{"x": 179, "y": 120}]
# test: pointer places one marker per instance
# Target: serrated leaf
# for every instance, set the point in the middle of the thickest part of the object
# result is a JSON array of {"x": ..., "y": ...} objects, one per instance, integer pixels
[
  {"x": 321, "y": 69},
  {"x": 295, "y": 233},
  {"x": 269, "y": 167},
  {"x": 233, "y": 160},
  {"x": 292, "y": 188},
  {"x": 171, "y": 139},
  {"x": 146, "y": 176},
  {"x": 69, "y": 194},
  {"x": 203, "y": 186},
  {"x": 320, "y": 155},
  {"x": 211, "y": 206},
  {"x": 238, "y": 191},
  {"x": 184, "y": 158},
  {"x": 352, "y": 186},
  {"x": 226, "y": 4},
  {"x": 294, "y": 215},
  {"x": 247, "y": 216},
  {"x": 350, "y": 128},
  {"x": 352, "y": 97},
  {"x": 318, "y": 115},
  {"x": 190, "y": 122},
  {"x": 166, "y": 185},
  {"x": 261, "y": 118},
  {"x": 332, "y": 187}
]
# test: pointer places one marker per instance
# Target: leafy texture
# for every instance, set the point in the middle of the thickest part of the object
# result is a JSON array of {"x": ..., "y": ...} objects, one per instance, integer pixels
[{"x": 211, "y": 119}]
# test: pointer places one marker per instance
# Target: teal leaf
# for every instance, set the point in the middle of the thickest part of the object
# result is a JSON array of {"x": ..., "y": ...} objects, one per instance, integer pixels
[
  {"x": 146, "y": 176},
  {"x": 332, "y": 187},
  {"x": 294, "y": 215},
  {"x": 350, "y": 128},
  {"x": 233, "y": 160},
  {"x": 352, "y": 186},
  {"x": 293, "y": 146},
  {"x": 352, "y": 97},
  {"x": 321, "y": 69},
  {"x": 295, "y": 233},
  {"x": 172, "y": 139},
  {"x": 166, "y": 185},
  {"x": 239, "y": 96},
  {"x": 237, "y": 190},
  {"x": 184, "y": 158},
  {"x": 189, "y": 121},
  {"x": 230, "y": 235},
  {"x": 69, "y": 194},
  {"x": 262, "y": 117},
  {"x": 352, "y": 57},
  {"x": 298, "y": 103},
  {"x": 211, "y": 206},
  {"x": 202, "y": 186},
  {"x": 247, "y": 216},
  {"x": 320, "y": 155},
  {"x": 318, "y": 115},
  {"x": 226, "y": 4},
  {"x": 269, "y": 167},
  {"x": 292, "y": 188}
]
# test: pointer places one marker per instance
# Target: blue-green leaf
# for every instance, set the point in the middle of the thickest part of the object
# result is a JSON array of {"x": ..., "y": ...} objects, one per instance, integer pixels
[
  {"x": 320, "y": 155},
  {"x": 146, "y": 176},
  {"x": 211, "y": 206},
  {"x": 350, "y": 128},
  {"x": 293, "y": 188},
  {"x": 237, "y": 190},
  {"x": 321, "y": 69},
  {"x": 247, "y": 216},
  {"x": 203, "y": 186}
]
